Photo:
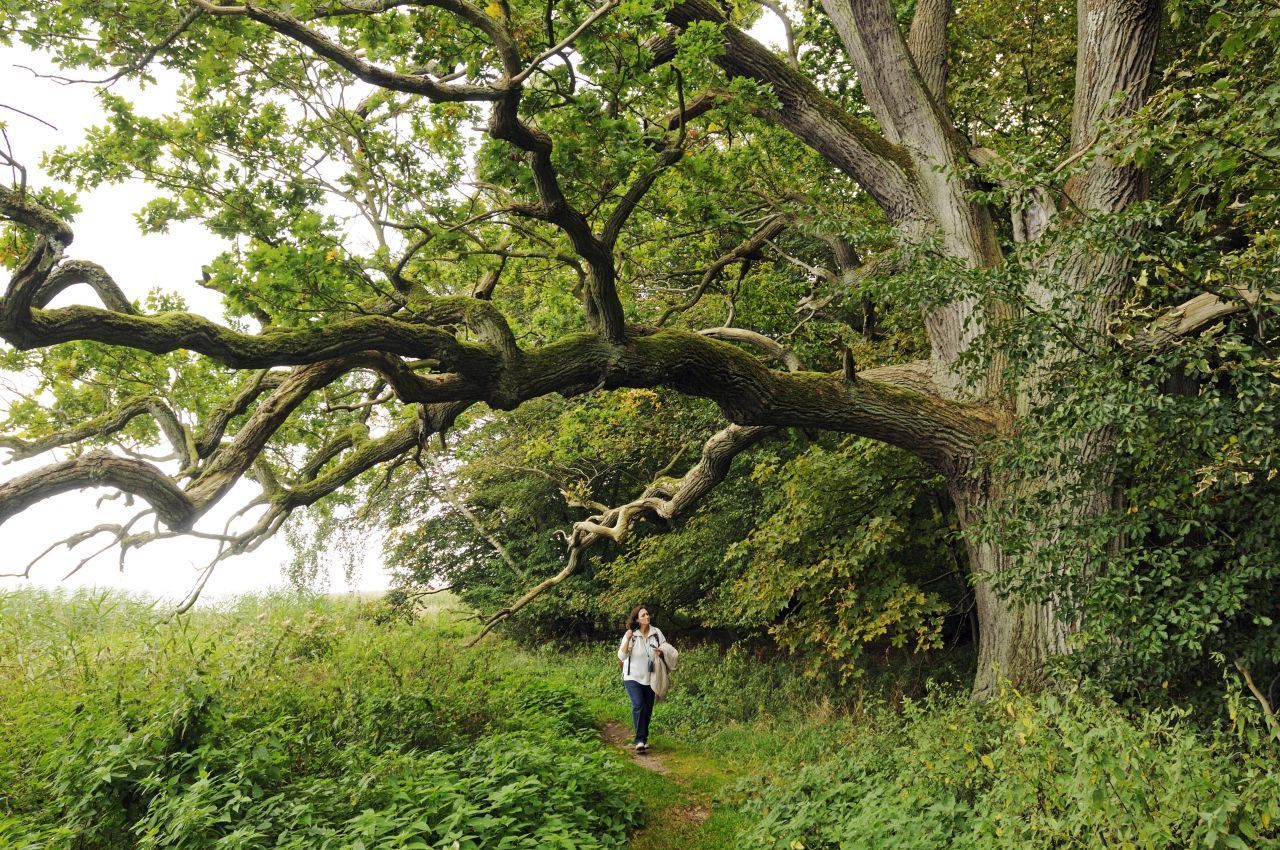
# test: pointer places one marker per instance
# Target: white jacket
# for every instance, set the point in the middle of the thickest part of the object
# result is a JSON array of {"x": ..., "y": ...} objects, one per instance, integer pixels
[
  {"x": 661, "y": 679},
  {"x": 637, "y": 665}
]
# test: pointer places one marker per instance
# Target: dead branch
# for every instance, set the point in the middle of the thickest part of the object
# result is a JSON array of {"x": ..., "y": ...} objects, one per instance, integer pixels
[
  {"x": 1199, "y": 312},
  {"x": 770, "y": 347},
  {"x": 575, "y": 550},
  {"x": 450, "y": 495}
]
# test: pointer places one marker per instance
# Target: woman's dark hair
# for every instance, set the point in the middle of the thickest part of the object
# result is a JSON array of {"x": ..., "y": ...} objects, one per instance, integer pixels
[{"x": 635, "y": 615}]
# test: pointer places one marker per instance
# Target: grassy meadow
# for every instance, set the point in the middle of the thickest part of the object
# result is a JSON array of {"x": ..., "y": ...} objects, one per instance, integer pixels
[{"x": 288, "y": 722}]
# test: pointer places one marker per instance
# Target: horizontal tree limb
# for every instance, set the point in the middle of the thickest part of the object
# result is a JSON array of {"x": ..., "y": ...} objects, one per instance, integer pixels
[
  {"x": 108, "y": 423},
  {"x": 100, "y": 469},
  {"x": 166, "y": 332},
  {"x": 375, "y": 75}
]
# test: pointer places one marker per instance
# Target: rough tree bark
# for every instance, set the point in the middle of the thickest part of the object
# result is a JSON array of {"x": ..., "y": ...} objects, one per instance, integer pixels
[{"x": 1115, "y": 60}]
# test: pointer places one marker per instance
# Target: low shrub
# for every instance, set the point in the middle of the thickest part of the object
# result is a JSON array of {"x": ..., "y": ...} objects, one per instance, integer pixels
[
  {"x": 526, "y": 790},
  {"x": 1050, "y": 772}
]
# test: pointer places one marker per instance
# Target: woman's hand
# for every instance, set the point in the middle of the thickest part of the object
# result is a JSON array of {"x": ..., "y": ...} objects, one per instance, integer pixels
[{"x": 659, "y": 652}]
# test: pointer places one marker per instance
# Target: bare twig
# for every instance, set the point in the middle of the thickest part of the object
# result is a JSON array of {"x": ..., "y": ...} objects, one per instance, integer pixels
[
  {"x": 461, "y": 507},
  {"x": 569, "y": 39},
  {"x": 28, "y": 115}
]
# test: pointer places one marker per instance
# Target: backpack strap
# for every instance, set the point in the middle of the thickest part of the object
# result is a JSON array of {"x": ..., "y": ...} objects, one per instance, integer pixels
[{"x": 654, "y": 632}]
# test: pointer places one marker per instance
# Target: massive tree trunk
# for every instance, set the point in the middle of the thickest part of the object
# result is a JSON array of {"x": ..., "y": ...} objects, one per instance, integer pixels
[
  {"x": 1115, "y": 60},
  {"x": 1015, "y": 637},
  {"x": 1018, "y": 635}
]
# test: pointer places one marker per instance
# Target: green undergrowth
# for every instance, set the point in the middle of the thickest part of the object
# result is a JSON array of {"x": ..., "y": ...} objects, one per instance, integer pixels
[
  {"x": 895, "y": 761},
  {"x": 754, "y": 714},
  {"x": 287, "y": 722},
  {"x": 1053, "y": 771}
]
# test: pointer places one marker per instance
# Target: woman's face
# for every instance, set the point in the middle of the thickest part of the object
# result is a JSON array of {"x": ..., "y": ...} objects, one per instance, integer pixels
[{"x": 642, "y": 618}]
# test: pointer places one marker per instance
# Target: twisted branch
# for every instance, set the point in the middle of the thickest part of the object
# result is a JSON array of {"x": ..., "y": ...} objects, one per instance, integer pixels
[
  {"x": 746, "y": 249},
  {"x": 100, "y": 469},
  {"x": 663, "y": 498}
]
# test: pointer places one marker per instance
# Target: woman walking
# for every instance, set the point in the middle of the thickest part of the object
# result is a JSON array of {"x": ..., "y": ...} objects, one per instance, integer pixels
[{"x": 639, "y": 653}]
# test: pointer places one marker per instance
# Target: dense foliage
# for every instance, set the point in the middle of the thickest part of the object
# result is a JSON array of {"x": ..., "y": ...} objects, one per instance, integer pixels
[
  {"x": 988, "y": 293},
  {"x": 1053, "y": 771},
  {"x": 830, "y": 546},
  {"x": 1182, "y": 560}
]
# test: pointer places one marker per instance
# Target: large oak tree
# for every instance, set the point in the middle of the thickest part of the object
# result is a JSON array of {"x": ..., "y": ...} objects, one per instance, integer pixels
[{"x": 637, "y": 157}]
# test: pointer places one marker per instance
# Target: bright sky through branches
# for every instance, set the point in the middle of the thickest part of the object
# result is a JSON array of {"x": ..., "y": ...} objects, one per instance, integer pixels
[{"x": 107, "y": 234}]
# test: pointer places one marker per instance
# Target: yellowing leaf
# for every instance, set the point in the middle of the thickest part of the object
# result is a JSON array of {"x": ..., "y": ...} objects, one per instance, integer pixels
[{"x": 494, "y": 9}]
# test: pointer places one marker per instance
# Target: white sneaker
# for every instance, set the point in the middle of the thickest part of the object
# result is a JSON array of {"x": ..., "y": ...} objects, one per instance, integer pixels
[{"x": 641, "y": 746}]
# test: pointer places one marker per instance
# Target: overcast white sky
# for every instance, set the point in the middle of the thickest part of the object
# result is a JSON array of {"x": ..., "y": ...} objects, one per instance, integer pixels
[{"x": 105, "y": 233}]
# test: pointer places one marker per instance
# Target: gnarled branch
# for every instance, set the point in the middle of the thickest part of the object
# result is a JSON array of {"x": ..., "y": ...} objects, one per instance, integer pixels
[
  {"x": 664, "y": 498},
  {"x": 72, "y": 272},
  {"x": 210, "y": 434},
  {"x": 100, "y": 469},
  {"x": 748, "y": 247}
]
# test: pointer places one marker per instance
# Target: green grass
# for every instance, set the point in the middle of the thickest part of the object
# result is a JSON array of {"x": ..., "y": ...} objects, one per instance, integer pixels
[{"x": 695, "y": 780}]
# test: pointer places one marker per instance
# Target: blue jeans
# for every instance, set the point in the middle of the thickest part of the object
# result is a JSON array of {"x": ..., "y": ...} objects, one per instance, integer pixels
[{"x": 641, "y": 707}]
